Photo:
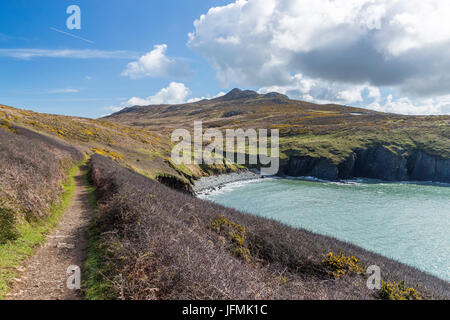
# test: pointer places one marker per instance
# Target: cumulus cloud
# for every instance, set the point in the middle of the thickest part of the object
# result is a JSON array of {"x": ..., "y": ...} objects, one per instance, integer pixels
[
  {"x": 405, "y": 105},
  {"x": 156, "y": 64},
  {"x": 356, "y": 45},
  {"x": 322, "y": 91},
  {"x": 173, "y": 94}
]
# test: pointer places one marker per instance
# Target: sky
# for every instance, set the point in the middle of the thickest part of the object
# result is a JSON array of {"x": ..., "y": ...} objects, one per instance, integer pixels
[{"x": 384, "y": 55}]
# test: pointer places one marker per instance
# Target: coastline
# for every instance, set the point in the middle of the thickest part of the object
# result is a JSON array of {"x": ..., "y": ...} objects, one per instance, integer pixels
[
  {"x": 216, "y": 183},
  {"x": 205, "y": 184}
]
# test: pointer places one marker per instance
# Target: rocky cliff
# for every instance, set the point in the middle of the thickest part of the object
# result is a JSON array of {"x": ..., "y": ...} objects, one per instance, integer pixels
[{"x": 375, "y": 162}]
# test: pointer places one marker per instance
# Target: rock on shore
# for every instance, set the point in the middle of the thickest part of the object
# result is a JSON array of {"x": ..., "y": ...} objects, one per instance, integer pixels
[{"x": 217, "y": 181}]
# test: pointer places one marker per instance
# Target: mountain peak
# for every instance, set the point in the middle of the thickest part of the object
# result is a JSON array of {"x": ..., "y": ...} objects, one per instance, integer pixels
[{"x": 239, "y": 94}]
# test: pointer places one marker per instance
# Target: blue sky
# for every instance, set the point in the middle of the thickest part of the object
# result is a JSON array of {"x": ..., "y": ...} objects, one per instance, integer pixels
[
  {"x": 92, "y": 84},
  {"x": 370, "y": 53}
]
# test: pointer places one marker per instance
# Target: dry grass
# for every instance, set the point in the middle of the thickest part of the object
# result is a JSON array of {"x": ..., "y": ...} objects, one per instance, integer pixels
[{"x": 158, "y": 243}]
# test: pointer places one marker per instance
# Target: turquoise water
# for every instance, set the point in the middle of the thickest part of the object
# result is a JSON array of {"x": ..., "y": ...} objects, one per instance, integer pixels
[{"x": 407, "y": 222}]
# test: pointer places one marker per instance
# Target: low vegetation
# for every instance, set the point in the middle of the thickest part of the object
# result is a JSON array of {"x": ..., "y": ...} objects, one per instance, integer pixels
[
  {"x": 145, "y": 151},
  {"x": 96, "y": 288},
  {"x": 36, "y": 185},
  {"x": 339, "y": 265},
  {"x": 156, "y": 243},
  {"x": 398, "y": 291},
  {"x": 7, "y": 224},
  {"x": 148, "y": 241}
]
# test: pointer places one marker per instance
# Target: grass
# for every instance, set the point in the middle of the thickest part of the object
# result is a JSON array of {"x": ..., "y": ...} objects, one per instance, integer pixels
[
  {"x": 30, "y": 235},
  {"x": 94, "y": 285}
]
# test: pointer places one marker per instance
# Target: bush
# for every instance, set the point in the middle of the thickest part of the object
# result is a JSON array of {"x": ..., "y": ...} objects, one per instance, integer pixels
[
  {"x": 339, "y": 264},
  {"x": 5, "y": 124},
  {"x": 235, "y": 233},
  {"x": 7, "y": 225},
  {"x": 32, "y": 167},
  {"x": 398, "y": 291}
]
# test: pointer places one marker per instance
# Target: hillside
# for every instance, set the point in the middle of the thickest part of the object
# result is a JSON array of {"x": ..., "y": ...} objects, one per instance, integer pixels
[
  {"x": 145, "y": 151},
  {"x": 150, "y": 242},
  {"x": 35, "y": 187},
  {"x": 326, "y": 141}
]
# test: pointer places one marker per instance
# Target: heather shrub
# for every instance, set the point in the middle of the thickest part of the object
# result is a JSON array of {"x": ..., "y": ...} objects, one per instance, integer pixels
[
  {"x": 32, "y": 167},
  {"x": 159, "y": 243}
]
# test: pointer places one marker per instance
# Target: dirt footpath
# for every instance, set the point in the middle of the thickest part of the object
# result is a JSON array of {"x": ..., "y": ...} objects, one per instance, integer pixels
[{"x": 45, "y": 275}]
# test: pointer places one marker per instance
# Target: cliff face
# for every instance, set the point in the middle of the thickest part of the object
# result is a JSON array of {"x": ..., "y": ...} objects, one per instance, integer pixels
[{"x": 374, "y": 162}]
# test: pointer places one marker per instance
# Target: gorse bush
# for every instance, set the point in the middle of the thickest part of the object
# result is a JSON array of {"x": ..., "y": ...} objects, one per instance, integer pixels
[
  {"x": 108, "y": 153},
  {"x": 7, "y": 224},
  {"x": 398, "y": 291},
  {"x": 339, "y": 264},
  {"x": 5, "y": 124},
  {"x": 235, "y": 233},
  {"x": 158, "y": 243}
]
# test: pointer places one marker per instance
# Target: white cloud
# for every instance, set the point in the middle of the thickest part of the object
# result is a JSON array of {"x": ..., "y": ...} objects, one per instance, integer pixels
[
  {"x": 173, "y": 94},
  {"x": 114, "y": 108},
  {"x": 405, "y": 105},
  {"x": 351, "y": 95},
  {"x": 322, "y": 91},
  {"x": 221, "y": 93},
  {"x": 374, "y": 93},
  {"x": 156, "y": 64},
  {"x": 191, "y": 100},
  {"x": 27, "y": 54},
  {"x": 353, "y": 47},
  {"x": 365, "y": 96}
]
